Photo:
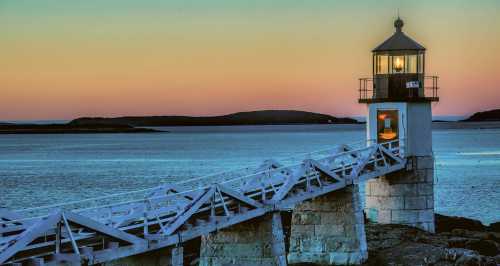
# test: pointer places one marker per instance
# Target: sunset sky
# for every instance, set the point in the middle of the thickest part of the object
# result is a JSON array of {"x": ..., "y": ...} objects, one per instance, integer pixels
[{"x": 65, "y": 59}]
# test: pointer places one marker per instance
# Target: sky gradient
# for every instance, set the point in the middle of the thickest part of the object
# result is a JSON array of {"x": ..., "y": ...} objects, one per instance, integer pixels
[{"x": 66, "y": 59}]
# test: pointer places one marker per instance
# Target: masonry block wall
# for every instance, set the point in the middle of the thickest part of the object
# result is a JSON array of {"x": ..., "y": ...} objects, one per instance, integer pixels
[
  {"x": 256, "y": 242},
  {"x": 329, "y": 230},
  {"x": 404, "y": 197}
]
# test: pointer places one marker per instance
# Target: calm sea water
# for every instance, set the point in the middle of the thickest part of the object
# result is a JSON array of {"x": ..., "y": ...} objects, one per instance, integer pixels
[{"x": 38, "y": 170}]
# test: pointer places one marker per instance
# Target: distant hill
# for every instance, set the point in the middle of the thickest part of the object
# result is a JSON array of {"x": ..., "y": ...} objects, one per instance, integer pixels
[
  {"x": 491, "y": 115},
  {"x": 266, "y": 117}
]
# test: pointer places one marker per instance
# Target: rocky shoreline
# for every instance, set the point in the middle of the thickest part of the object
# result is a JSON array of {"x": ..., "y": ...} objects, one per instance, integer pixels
[{"x": 457, "y": 241}]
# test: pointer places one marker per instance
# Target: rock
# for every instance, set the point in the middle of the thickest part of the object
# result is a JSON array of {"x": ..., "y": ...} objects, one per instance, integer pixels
[
  {"x": 457, "y": 242},
  {"x": 448, "y": 223},
  {"x": 460, "y": 244},
  {"x": 452, "y": 254},
  {"x": 495, "y": 227},
  {"x": 484, "y": 247},
  {"x": 497, "y": 259},
  {"x": 488, "y": 261},
  {"x": 409, "y": 254},
  {"x": 491, "y": 236},
  {"x": 459, "y": 232},
  {"x": 468, "y": 260},
  {"x": 461, "y": 256}
]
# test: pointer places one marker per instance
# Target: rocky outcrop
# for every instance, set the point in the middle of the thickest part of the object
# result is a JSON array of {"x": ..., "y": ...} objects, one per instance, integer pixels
[
  {"x": 458, "y": 241},
  {"x": 495, "y": 227},
  {"x": 448, "y": 223}
]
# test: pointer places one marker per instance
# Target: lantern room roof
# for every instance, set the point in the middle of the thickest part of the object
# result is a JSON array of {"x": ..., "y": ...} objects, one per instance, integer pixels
[{"x": 398, "y": 41}]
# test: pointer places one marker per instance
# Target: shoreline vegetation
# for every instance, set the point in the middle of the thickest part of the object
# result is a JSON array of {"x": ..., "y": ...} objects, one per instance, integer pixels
[{"x": 140, "y": 124}]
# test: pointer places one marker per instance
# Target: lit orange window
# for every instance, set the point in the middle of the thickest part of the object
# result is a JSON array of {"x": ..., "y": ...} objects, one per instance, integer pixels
[{"x": 387, "y": 125}]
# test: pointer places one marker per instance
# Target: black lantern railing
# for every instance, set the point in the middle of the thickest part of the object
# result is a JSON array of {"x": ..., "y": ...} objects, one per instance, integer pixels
[{"x": 429, "y": 88}]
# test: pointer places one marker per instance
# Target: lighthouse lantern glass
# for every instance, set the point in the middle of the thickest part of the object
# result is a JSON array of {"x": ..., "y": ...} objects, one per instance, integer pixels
[
  {"x": 382, "y": 64},
  {"x": 398, "y": 63},
  {"x": 411, "y": 64}
]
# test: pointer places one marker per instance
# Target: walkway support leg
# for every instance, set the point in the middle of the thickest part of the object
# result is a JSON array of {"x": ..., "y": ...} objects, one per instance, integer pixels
[
  {"x": 329, "y": 230},
  {"x": 178, "y": 256},
  {"x": 36, "y": 262},
  {"x": 278, "y": 248},
  {"x": 256, "y": 242}
]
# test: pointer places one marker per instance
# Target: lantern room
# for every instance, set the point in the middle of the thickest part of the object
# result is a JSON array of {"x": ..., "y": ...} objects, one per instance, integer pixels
[
  {"x": 399, "y": 95},
  {"x": 398, "y": 72}
]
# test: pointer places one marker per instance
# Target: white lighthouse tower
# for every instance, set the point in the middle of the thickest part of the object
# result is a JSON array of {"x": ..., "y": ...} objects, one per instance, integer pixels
[{"x": 399, "y": 98}]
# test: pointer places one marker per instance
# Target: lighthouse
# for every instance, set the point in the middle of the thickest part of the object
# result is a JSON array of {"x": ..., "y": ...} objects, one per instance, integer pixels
[{"x": 399, "y": 98}]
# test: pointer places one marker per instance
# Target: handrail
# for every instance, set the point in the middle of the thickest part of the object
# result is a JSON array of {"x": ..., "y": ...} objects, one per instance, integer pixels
[
  {"x": 236, "y": 178},
  {"x": 368, "y": 92},
  {"x": 332, "y": 172},
  {"x": 61, "y": 204}
]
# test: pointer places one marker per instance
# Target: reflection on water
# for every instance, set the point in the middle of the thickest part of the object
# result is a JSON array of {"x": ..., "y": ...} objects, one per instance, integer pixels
[{"x": 45, "y": 169}]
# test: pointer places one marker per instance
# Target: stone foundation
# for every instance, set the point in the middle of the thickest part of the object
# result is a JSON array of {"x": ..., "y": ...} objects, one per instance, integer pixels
[
  {"x": 329, "y": 230},
  {"x": 256, "y": 242},
  {"x": 161, "y": 257},
  {"x": 404, "y": 197}
]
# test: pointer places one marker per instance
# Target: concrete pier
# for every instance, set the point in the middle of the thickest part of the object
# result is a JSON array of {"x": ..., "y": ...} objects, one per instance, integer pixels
[
  {"x": 404, "y": 197},
  {"x": 329, "y": 230},
  {"x": 255, "y": 242}
]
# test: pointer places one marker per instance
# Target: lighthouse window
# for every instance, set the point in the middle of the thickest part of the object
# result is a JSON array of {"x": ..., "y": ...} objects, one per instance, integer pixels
[
  {"x": 387, "y": 125},
  {"x": 411, "y": 64},
  {"x": 421, "y": 63},
  {"x": 382, "y": 64},
  {"x": 397, "y": 64}
]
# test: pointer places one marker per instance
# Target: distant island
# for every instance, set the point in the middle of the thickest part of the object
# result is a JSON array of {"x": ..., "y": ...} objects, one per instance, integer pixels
[
  {"x": 265, "y": 117},
  {"x": 68, "y": 128},
  {"x": 135, "y": 124},
  {"x": 491, "y": 115}
]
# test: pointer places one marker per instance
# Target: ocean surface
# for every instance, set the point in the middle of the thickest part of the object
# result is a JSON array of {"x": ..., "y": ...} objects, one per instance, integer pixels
[{"x": 38, "y": 170}]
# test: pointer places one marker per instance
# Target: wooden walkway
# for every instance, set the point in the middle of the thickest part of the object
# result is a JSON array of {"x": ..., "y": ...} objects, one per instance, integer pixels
[{"x": 171, "y": 214}]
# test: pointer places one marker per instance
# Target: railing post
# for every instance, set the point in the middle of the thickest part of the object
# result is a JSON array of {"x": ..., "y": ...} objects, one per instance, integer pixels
[
  {"x": 360, "y": 90},
  {"x": 436, "y": 87},
  {"x": 58, "y": 237},
  {"x": 146, "y": 227}
]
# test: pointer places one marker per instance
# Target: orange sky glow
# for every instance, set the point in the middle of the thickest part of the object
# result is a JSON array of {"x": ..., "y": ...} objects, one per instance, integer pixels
[{"x": 66, "y": 59}]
